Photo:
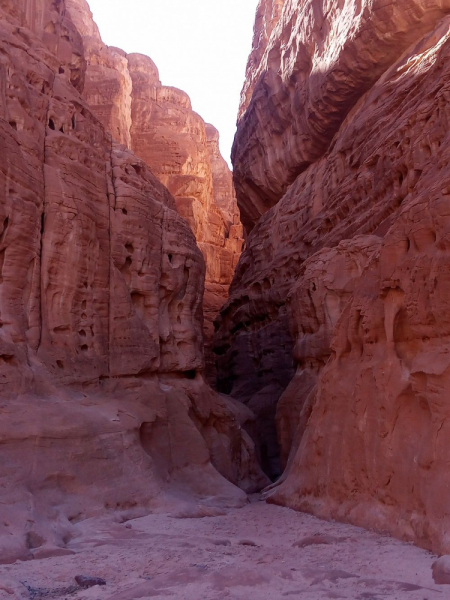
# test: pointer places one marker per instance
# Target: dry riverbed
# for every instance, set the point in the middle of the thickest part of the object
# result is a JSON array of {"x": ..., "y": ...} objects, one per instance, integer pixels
[{"x": 260, "y": 552}]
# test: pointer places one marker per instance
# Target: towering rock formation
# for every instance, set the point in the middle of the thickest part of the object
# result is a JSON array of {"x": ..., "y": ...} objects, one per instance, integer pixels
[
  {"x": 317, "y": 62},
  {"x": 102, "y": 401},
  {"x": 157, "y": 122},
  {"x": 183, "y": 153},
  {"x": 341, "y": 165}
]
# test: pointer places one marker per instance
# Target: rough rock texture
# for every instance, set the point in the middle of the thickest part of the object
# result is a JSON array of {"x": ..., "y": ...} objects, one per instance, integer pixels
[
  {"x": 325, "y": 283},
  {"x": 374, "y": 449},
  {"x": 222, "y": 251},
  {"x": 158, "y": 123},
  {"x": 107, "y": 87},
  {"x": 183, "y": 153},
  {"x": 174, "y": 141},
  {"x": 441, "y": 570},
  {"x": 102, "y": 401},
  {"x": 312, "y": 61},
  {"x": 268, "y": 14}
]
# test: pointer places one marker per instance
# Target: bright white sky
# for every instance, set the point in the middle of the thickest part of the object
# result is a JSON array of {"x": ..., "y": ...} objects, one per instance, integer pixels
[{"x": 199, "y": 46}]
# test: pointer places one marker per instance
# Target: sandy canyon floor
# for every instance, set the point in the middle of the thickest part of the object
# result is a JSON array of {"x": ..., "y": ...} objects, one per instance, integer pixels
[{"x": 255, "y": 553}]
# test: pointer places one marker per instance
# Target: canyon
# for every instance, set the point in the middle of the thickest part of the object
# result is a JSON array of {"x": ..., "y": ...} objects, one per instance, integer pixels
[
  {"x": 104, "y": 405},
  {"x": 176, "y": 339},
  {"x": 336, "y": 324}
]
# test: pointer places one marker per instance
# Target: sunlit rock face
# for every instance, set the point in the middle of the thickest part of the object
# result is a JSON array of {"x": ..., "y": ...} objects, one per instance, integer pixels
[
  {"x": 107, "y": 87},
  {"x": 183, "y": 153},
  {"x": 344, "y": 280},
  {"x": 158, "y": 123},
  {"x": 311, "y": 62},
  {"x": 102, "y": 401}
]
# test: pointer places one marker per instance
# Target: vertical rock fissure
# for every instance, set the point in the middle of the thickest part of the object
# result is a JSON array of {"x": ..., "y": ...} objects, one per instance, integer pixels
[
  {"x": 43, "y": 215},
  {"x": 161, "y": 266},
  {"x": 110, "y": 258}
]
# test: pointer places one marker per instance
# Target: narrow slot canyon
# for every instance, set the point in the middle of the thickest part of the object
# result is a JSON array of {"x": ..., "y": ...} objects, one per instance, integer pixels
[{"x": 225, "y": 380}]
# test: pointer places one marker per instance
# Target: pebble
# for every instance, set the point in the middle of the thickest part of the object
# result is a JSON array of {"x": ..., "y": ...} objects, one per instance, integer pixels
[{"x": 86, "y": 581}]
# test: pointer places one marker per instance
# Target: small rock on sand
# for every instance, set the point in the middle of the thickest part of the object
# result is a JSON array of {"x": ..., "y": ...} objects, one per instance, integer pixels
[
  {"x": 87, "y": 581},
  {"x": 441, "y": 570}
]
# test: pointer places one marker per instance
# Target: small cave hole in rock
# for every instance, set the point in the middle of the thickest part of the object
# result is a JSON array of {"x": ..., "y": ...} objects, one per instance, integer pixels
[
  {"x": 60, "y": 364},
  {"x": 138, "y": 301},
  {"x": 51, "y": 124},
  {"x": 13, "y": 124},
  {"x": 191, "y": 374},
  {"x": 124, "y": 211},
  {"x": 61, "y": 70},
  {"x": 129, "y": 248},
  {"x": 84, "y": 348},
  {"x": 170, "y": 257}
]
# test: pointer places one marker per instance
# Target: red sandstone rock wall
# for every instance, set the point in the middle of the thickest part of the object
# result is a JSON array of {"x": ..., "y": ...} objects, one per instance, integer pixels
[
  {"x": 183, "y": 153},
  {"x": 362, "y": 424},
  {"x": 102, "y": 402},
  {"x": 316, "y": 301},
  {"x": 158, "y": 123},
  {"x": 320, "y": 57}
]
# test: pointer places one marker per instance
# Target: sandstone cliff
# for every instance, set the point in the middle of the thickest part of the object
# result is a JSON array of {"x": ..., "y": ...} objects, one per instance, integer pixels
[
  {"x": 157, "y": 122},
  {"x": 102, "y": 401},
  {"x": 311, "y": 63},
  {"x": 342, "y": 147}
]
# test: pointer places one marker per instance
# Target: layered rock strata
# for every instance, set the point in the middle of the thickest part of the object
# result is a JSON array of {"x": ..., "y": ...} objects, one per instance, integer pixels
[
  {"x": 158, "y": 123},
  {"x": 183, "y": 153},
  {"x": 310, "y": 64},
  {"x": 102, "y": 401},
  {"x": 362, "y": 424}
]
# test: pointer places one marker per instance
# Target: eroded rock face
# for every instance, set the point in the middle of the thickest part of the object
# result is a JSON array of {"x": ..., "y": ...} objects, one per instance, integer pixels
[
  {"x": 368, "y": 314},
  {"x": 107, "y": 87},
  {"x": 183, "y": 153},
  {"x": 158, "y": 123},
  {"x": 221, "y": 248},
  {"x": 312, "y": 60},
  {"x": 383, "y": 392},
  {"x": 102, "y": 401},
  {"x": 324, "y": 286}
]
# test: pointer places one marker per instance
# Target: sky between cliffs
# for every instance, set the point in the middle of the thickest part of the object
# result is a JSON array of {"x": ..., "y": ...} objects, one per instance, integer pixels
[{"x": 199, "y": 46}]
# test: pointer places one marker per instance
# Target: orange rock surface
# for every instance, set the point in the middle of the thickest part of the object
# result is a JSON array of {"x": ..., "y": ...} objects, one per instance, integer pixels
[
  {"x": 347, "y": 143},
  {"x": 102, "y": 401},
  {"x": 324, "y": 286},
  {"x": 157, "y": 122},
  {"x": 312, "y": 60}
]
